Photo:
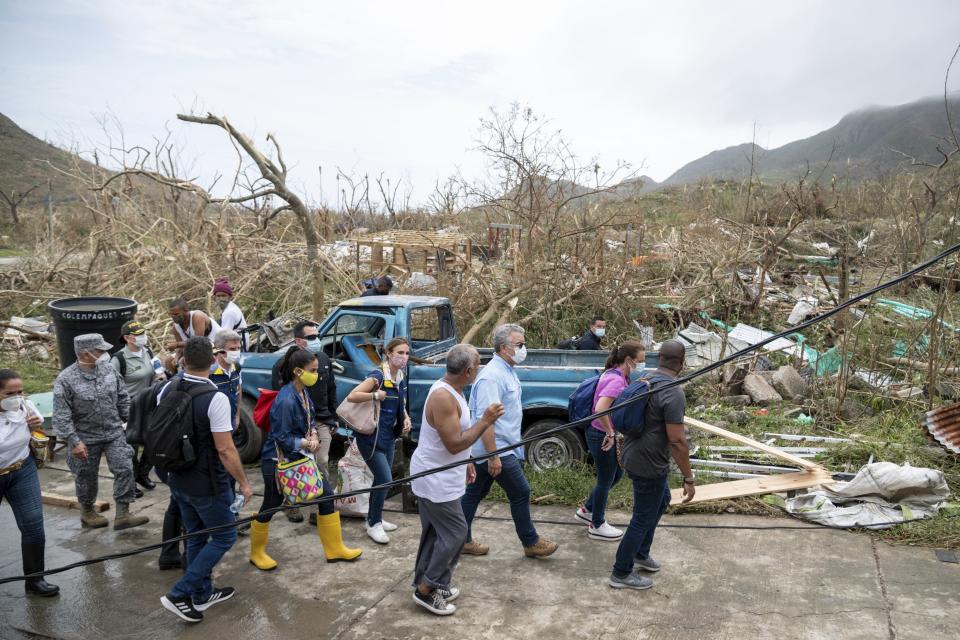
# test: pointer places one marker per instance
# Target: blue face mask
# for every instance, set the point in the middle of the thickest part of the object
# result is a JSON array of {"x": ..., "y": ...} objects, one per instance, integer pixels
[{"x": 314, "y": 344}]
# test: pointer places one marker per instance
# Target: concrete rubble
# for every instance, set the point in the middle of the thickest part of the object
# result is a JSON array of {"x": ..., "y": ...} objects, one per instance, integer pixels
[{"x": 759, "y": 390}]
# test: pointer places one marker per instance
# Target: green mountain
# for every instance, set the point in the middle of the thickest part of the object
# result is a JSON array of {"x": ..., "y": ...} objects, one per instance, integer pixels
[
  {"x": 26, "y": 161},
  {"x": 864, "y": 144}
]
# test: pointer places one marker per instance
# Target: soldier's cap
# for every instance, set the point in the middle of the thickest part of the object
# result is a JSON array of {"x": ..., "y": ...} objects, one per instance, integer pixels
[
  {"x": 89, "y": 341},
  {"x": 132, "y": 328}
]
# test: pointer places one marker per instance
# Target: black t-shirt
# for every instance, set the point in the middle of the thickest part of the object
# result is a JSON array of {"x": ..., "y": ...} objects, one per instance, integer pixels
[{"x": 647, "y": 455}]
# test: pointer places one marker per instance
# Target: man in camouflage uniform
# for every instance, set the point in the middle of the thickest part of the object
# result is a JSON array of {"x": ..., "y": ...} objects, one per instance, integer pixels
[{"x": 90, "y": 407}]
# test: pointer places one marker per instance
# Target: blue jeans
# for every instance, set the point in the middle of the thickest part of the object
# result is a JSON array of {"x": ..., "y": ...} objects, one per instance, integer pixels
[
  {"x": 514, "y": 484},
  {"x": 203, "y": 552},
  {"x": 380, "y": 462},
  {"x": 651, "y": 497},
  {"x": 21, "y": 488},
  {"x": 608, "y": 475}
]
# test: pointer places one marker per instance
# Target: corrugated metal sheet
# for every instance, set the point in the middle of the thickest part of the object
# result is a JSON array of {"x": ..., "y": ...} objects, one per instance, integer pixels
[{"x": 943, "y": 424}]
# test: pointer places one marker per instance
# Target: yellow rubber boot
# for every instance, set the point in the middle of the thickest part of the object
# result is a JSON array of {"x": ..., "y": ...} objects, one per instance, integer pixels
[
  {"x": 328, "y": 528},
  {"x": 259, "y": 532}
]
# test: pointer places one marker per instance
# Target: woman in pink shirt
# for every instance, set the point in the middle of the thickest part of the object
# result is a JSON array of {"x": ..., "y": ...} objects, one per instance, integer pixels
[{"x": 601, "y": 439}]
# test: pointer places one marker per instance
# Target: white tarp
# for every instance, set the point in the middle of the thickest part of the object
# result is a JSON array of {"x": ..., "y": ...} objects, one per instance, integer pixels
[
  {"x": 881, "y": 492},
  {"x": 752, "y": 335},
  {"x": 805, "y": 307}
]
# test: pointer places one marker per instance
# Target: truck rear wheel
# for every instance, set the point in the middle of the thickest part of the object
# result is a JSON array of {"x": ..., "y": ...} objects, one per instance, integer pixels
[
  {"x": 247, "y": 438},
  {"x": 555, "y": 451}
]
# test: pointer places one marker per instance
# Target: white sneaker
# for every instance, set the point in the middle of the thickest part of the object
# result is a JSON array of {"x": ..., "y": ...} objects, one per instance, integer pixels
[
  {"x": 388, "y": 526},
  {"x": 604, "y": 532},
  {"x": 377, "y": 534},
  {"x": 583, "y": 515}
]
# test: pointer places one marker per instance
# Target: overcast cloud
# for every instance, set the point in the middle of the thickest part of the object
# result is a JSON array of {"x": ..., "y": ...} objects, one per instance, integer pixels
[{"x": 399, "y": 87}]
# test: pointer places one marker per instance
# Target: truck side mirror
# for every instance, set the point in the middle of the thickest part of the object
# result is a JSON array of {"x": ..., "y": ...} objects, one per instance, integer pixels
[{"x": 337, "y": 368}]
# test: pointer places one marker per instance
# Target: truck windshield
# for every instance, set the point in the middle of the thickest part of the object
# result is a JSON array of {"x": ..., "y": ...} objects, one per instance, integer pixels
[
  {"x": 429, "y": 325},
  {"x": 351, "y": 334}
]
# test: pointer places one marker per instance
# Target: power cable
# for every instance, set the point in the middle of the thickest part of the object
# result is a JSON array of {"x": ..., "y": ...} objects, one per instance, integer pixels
[{"x": 524, "y": 441}]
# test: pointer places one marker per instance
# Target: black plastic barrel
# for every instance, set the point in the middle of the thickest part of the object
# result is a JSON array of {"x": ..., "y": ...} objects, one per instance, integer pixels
[{"x": 75, "y": 316}]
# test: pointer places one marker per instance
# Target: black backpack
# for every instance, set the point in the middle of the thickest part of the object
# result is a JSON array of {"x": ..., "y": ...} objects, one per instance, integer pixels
[
  {"x": 170, "y": 437},
  {"x": 141, "y": 406}
]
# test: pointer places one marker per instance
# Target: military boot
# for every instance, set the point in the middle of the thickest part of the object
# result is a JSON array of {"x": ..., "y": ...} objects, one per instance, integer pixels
[
  {"x": 124, "y": 520},
  {"x": 90, "y": 518}
]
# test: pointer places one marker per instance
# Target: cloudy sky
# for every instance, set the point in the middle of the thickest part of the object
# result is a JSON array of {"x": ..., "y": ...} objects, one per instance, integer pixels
[{"x": 399, "y": 87}]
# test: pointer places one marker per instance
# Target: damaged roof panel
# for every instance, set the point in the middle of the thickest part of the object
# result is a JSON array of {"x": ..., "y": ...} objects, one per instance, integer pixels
[{"x": 943, "y": 424}]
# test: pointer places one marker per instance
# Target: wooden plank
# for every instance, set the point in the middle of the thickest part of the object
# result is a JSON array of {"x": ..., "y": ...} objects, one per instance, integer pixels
[
  {"x": 70, "y": 502},
  {"x": 755, "y": 486},
  {"x": 759, "y": 446}
]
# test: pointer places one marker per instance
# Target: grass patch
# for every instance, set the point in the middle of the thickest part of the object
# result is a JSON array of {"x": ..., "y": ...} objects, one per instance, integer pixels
[
  {"x": 12, "y": 253},
  {"x": 893, "y": 436},
  {"x": 38, "y": 375}
]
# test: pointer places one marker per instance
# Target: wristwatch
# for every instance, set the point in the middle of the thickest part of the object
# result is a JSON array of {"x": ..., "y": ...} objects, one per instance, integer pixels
[{"x": 689, "y": 480}]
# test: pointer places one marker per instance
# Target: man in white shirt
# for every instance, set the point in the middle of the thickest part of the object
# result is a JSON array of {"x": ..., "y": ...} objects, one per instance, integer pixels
[
  {"x": 445, "y": 437},
  {"x": 203, "y": 490},
  {"x": 231, "y": 317}
]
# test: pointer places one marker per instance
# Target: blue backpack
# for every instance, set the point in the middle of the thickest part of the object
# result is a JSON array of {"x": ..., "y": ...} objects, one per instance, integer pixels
[
  {"x": 631, "y": 419},
  {"x": 580, "y": 404}
]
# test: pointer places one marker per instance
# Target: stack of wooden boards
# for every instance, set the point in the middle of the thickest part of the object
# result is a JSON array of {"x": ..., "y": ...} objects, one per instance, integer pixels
[{"x": 810, "y": 475}]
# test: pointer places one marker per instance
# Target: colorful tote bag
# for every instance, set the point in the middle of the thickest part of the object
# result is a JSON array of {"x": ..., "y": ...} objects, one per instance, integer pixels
[{"x": 298, "y": 480}]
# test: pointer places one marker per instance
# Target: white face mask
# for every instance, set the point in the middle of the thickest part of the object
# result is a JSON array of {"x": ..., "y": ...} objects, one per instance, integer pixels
[
  {"x": 233, "y": 357},
  {"x": 599, "y": 332},
  {"x": 520, "y": 354},
  {"x": 104, "y": 358},
  {"x": 11, "y": 403},
  {"x": 140, "y": 341}
]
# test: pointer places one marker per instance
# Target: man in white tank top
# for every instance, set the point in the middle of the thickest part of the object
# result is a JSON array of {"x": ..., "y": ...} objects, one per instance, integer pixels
[
  {"x": 186, "y": 324},
  {"x": 445, "y": 438}
]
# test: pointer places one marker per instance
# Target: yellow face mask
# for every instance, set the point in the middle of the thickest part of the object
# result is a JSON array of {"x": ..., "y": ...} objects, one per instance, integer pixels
[{"x": 309, "y": 378}]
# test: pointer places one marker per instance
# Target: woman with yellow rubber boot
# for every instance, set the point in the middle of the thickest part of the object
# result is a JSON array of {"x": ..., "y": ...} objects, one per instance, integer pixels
[{"x": 293, "y": 432}]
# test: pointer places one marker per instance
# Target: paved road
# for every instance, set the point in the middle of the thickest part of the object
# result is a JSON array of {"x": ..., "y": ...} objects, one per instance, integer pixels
[{"x": 716, "y": 583}]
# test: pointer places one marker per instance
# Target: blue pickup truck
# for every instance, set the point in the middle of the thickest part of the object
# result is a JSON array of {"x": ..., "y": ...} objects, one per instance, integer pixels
[{"x": 353, "y": 336}]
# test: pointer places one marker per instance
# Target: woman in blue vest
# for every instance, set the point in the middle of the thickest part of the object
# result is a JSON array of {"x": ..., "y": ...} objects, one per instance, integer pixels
[
  {"x": 388, "y": 385},
  {"x": 292, "y": 430}
]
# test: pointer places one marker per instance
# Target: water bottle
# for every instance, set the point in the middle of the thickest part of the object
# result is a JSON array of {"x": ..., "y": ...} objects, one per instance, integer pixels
[{"x": 237, "y": 503}]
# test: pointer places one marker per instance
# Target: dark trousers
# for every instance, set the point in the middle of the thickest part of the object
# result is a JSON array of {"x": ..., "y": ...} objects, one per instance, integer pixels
[
  {"x": 21, "y": 488},
  {"x": 608, "y": 471},
  {"x": 651, "y": 497},
  {"x": 443, "y": 530},
  {"x": 272, "y": 498},
  {"x": 203, "y": 552},
  {"x": 141, "y": 464},
  {"x": 515, "y": 485}
]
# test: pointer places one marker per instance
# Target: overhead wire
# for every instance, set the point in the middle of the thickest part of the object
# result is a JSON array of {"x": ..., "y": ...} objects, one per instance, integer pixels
[{"x": 679, "y": 380}]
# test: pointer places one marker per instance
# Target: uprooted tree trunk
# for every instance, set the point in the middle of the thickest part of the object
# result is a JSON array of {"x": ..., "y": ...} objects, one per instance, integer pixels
[
  {"x": 491, "y": 311},
  {"x": 277, "y": 177}
]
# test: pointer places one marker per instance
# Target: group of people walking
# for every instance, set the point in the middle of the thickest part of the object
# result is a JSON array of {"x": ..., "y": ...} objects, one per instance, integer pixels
[{"x": 92, "y": 400}]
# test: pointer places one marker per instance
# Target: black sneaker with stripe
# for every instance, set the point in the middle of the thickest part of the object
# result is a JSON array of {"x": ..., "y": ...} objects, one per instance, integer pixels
[
  {"x": 450, "y": 594},
  {"x": 218, "y": 595},
  {"x": 433, "y": 602},
  {"x": 183, "y": 607}
]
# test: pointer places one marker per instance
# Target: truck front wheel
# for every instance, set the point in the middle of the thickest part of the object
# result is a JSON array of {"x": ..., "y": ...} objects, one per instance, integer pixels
[
  {"x": 247, "y": 437},
  {"x": 556, "y": 450}
]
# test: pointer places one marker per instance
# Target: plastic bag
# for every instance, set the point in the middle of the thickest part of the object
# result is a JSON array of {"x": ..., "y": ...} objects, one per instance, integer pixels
[{"x": 353, "y": 474}]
